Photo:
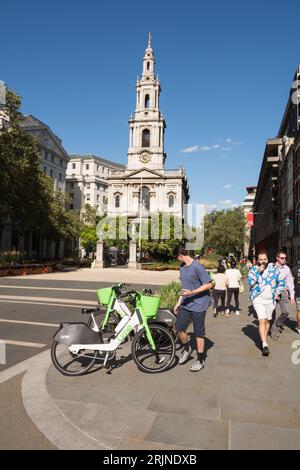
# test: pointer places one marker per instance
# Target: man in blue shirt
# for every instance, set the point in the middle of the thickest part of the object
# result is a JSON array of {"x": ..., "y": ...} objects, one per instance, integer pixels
[{"x": 192, "y": 305}]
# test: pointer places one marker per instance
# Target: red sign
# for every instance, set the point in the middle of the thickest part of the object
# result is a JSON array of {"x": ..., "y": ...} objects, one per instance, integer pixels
[{"x": 250, "y": 219}]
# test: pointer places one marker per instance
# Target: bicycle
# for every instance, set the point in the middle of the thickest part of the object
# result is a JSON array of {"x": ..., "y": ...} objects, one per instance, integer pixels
[
  {"x": 75, "y": 346},
  {"x": 107, "y": 317}
]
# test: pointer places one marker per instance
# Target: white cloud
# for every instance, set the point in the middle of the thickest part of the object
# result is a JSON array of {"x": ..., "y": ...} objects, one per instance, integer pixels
[
  {"x": 230, "y": 141},
  {"x": 227, "y": 186},
  {"x": 227, "y": 202},
  {"x": 197, "y": 148},
  {"x": 226, "y": 149},
  {"x": 233, "y": 206},
  {"x": 191, "y": 149}
]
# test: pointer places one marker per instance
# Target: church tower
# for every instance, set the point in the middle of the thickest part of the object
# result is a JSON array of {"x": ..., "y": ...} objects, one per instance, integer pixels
[{"x": 146, "y": 129}]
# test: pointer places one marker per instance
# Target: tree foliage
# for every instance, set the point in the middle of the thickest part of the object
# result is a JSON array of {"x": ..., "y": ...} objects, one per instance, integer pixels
[
  {"x": 224, "y": 231},
  {"x": 28, "y": 199}
]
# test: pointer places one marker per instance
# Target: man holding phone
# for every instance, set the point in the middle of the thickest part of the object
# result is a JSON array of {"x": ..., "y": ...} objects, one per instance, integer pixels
[
  {"x": 266, "y": 284},
  {"x": 192, "y": 305}
]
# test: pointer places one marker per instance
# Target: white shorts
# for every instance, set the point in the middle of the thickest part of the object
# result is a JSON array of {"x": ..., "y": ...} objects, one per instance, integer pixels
[{"x": 264, "y": 311}]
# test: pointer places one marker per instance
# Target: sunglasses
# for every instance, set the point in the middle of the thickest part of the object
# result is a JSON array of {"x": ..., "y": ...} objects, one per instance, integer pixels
[{"x": 282, "y": 257}]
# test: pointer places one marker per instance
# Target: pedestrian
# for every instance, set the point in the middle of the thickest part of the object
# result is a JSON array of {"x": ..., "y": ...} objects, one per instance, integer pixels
[
  {"x": 266, "y": 283},
  {"x": 284, "y": 297},
  {"x": 233, "y": 280},
  {"x": 296, "y": 276},
  {"x": 219, "y": 290},
  {"x": 192, "y": 305}
]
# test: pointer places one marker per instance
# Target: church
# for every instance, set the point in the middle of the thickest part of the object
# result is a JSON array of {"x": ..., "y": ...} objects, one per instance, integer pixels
[{"x": 145, "y": 186}]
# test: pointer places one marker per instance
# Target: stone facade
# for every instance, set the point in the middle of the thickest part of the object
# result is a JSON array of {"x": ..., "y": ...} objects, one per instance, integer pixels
[
  {"x": 54, "y": 160},
  {"x": 277, "y": 200},
  {"x": 87, "y": 181},
  {"x": 247, "y": 208}
]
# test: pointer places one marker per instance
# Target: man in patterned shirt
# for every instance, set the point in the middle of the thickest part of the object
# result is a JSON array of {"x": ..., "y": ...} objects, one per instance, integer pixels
[{"x": 266, "y": 284}]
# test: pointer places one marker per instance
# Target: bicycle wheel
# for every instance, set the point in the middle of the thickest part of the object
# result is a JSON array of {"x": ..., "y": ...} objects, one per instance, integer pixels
[
  {"x": 110, "y": 327},
  {"x": 148, "y": 360},
  {"x": 69, "y": 363}
]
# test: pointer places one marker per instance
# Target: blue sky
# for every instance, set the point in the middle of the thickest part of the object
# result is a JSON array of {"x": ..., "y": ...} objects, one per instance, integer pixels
[{"x": 225, "y": 70}]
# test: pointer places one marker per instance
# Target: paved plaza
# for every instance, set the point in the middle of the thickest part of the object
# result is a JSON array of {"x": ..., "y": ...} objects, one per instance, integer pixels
[{"x": 241, "y": 400}]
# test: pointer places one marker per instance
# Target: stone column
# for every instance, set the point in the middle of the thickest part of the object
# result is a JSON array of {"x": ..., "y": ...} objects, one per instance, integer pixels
[
  {"x": 132, "y": 264},
  {"x": 99, "y": 255}
]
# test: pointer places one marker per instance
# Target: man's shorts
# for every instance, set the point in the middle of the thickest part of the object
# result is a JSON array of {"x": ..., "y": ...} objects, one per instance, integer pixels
[
  {"x": 264, "y": 311},
  {"x": 184, "y": 316},
  {"x": 298, "y": 304}
]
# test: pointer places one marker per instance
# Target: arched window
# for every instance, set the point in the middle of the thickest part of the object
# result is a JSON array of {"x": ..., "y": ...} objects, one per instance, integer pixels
[
  {"x": 146, "y": 138},
  {"x": 145, "y": 198},
  {"x": 148, "y": 65},
  {"x": 147, "y": 101},
  {"x": 171, "y": 200},
  {"x": 117, "y": 201}
]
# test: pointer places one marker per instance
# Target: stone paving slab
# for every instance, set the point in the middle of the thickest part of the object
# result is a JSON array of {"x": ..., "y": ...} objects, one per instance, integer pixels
[
  {"x": 111, "y": 421},
  {"x": 265, "y": 412},
  {"x": 192, "y": 404},
  {"x": 255, "y": 437},
  {"x": 190, "y": 431}
]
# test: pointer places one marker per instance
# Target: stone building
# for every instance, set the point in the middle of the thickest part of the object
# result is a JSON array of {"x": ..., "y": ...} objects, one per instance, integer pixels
[
  {"x": 54, "y": 160},
  {"x": 87, "y": 181},
  {"x": 247, "y": 209},
  {"x": 277, "y": 201},
  {"x": 145, "y": 184}
]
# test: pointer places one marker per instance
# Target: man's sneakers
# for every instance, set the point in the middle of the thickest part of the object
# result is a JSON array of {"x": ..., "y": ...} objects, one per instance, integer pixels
[
  {"x": 297, "y": 329},
  {"x": 198, "y": 365},
  {"x": 227, "y": 312},
  {"x": 184, "y": 356}
]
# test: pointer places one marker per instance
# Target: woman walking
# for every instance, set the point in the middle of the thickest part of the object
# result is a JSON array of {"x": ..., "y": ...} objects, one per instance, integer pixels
[
  {"x": 233, "y": 279},
  {"x": 219, "y": 290}
]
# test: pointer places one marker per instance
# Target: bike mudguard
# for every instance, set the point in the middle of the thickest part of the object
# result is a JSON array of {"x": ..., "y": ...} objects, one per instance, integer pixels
[
  {"x": 77, "y": 333},
  {"x": 164, "y": 315}
]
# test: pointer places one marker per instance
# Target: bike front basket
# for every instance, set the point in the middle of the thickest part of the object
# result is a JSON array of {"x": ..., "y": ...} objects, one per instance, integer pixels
[
  {"x": 104, "y": 295},
  {"x": 149, "y": 305}
]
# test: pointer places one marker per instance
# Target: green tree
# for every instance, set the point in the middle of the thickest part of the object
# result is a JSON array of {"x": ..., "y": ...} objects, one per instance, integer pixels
[
  {"x": 224, "y": 231},
  {"x": 28, "y": 198}
]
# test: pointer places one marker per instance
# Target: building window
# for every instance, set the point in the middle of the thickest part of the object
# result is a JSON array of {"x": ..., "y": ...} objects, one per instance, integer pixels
[
  {"x": 46, "y": 155},
  {"x": 97, "y": 197},
  {"x": 51, "y": 173},
  {"x": 98, "y": 167},
  {"x": 87, "y": 166},
  {"x": 145, "y": 197},
  {"x": 88, "y": 185},
  {"x": 73, "y": 166},
  {"x": 146, "y": 138},
  {"x": 147, "y": 101},
  {"x": 88, "y": 197},
  {"x": 72, "y": 185},
  {"x": 148, "y": 65},
  {"x": 72, "y": 195},
  {"x": 117, "y": 201},
  {"x": 61, "y": 162},
  {"x": 60, "y": 177},
  {"x": 52, "y": 158},
  {"x": 171, "y": 200},
  {"x": 71, "y": 207},
  {"x": 45, "y": 169}
]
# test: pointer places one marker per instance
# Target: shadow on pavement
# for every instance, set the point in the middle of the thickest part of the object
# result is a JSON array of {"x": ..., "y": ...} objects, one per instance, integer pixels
[{"x": 252, "y": 332}]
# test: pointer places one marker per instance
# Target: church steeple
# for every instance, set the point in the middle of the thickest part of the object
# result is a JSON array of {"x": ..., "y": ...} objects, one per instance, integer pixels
[
  {"x": 146, "y": 138},
  {"x": 148, "y": 62}
]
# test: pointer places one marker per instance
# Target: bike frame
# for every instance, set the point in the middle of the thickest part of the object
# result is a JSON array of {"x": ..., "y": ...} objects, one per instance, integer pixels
[{"x": 127, "y": 323}]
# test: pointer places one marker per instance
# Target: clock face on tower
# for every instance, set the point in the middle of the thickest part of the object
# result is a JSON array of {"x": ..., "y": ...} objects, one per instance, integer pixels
[{"x": 145, "y": 157}]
